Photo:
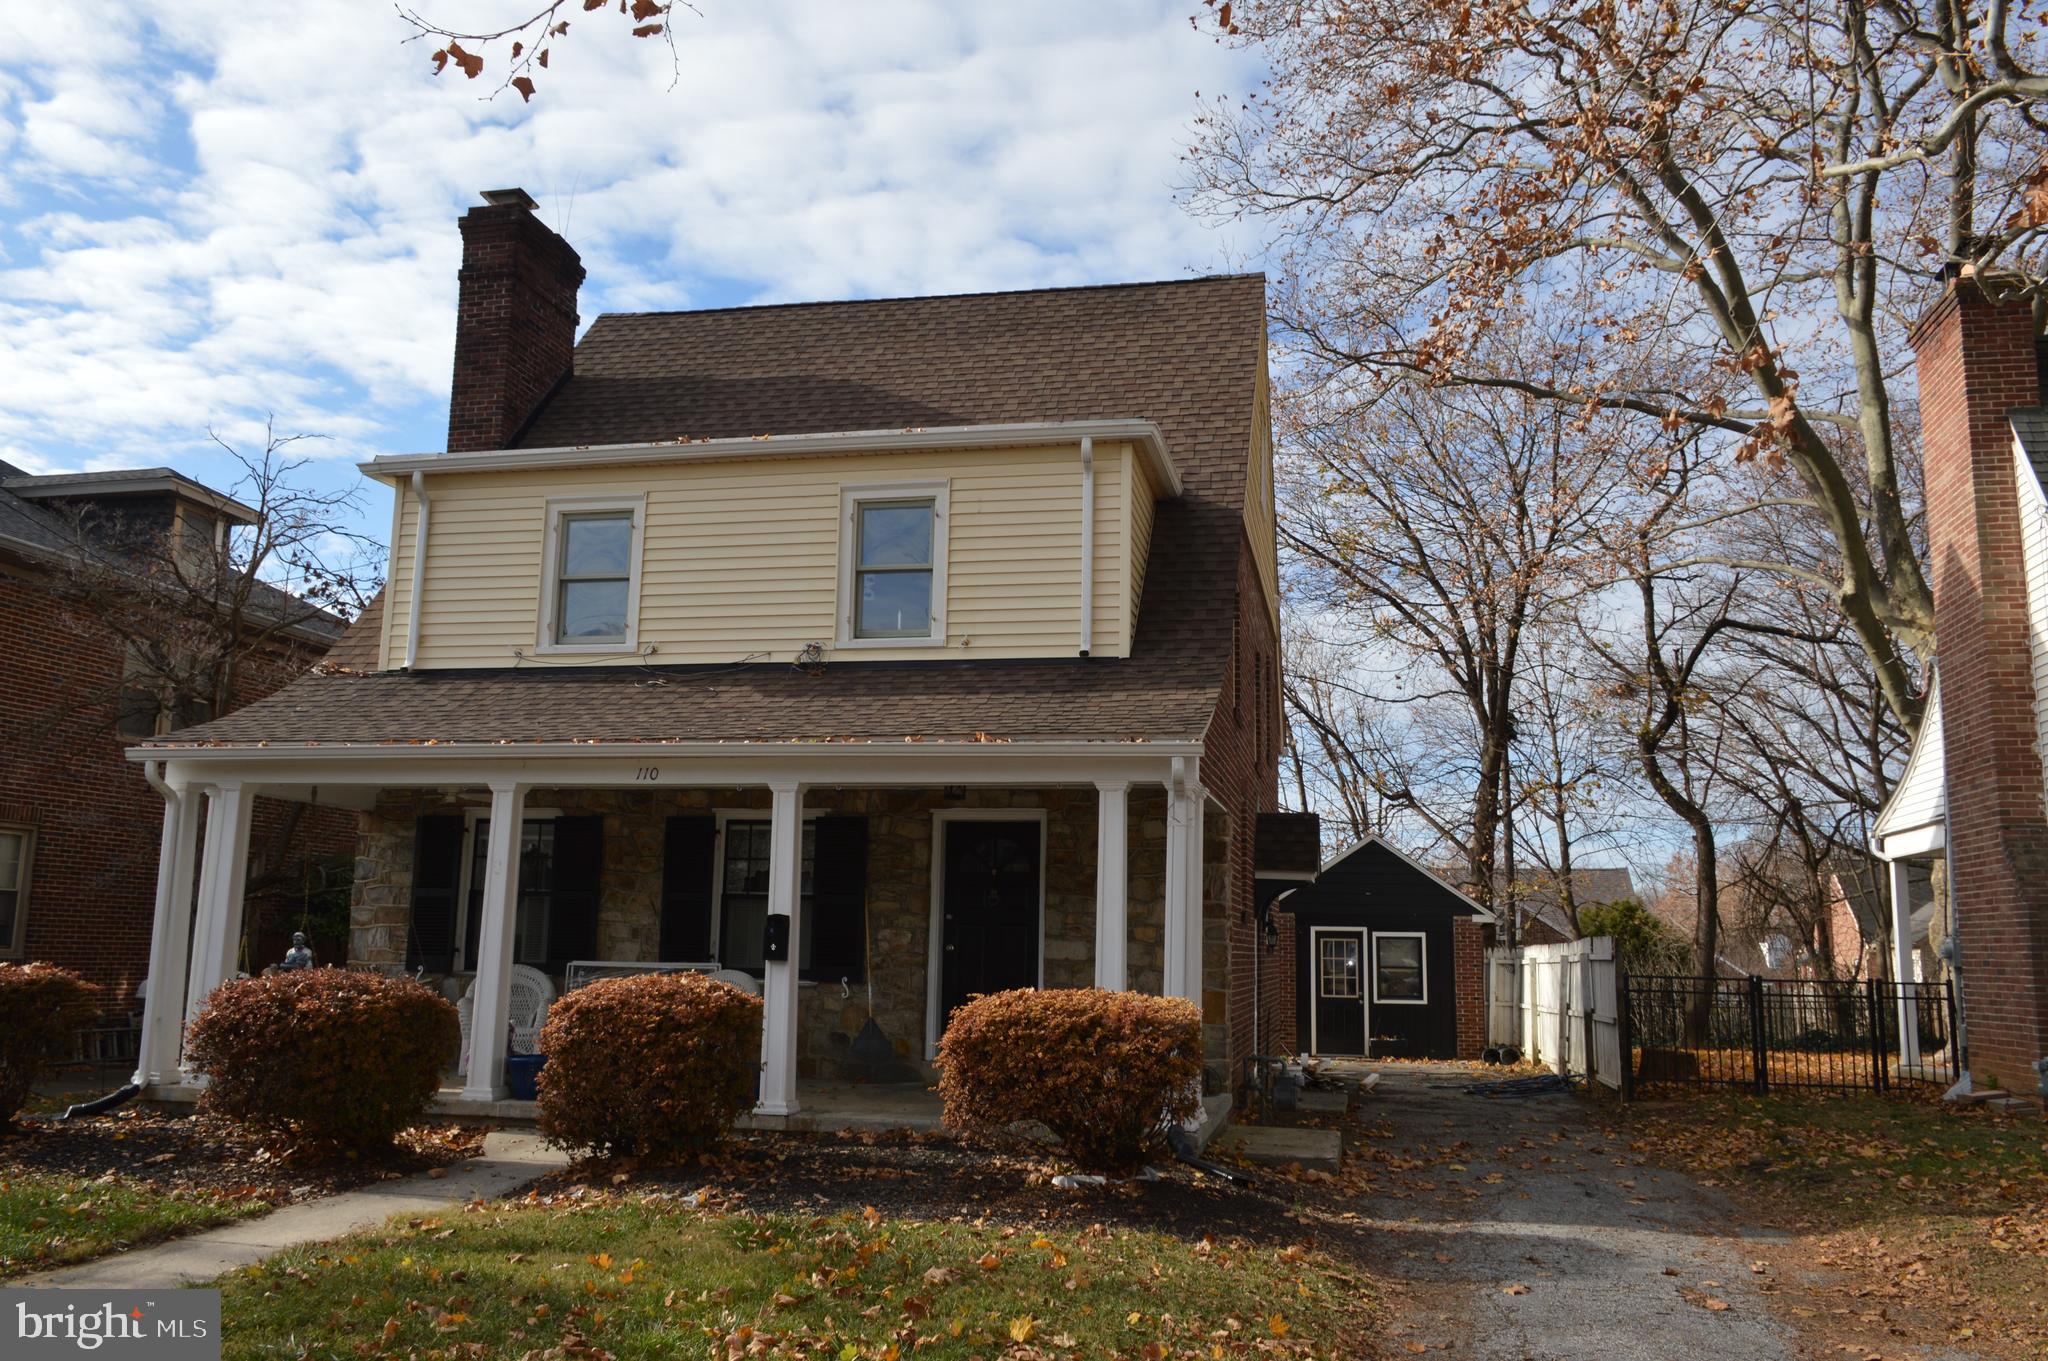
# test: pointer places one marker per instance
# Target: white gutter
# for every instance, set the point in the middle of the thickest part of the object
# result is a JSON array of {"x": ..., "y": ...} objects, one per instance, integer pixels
[
  {"x": 152, "y": 771},
  {"x": 525, "y": 751},
  {"x": 419, "y": 570},
  {"x": 1017, "y": 434},
  {"x": 1087, "y": 544}
]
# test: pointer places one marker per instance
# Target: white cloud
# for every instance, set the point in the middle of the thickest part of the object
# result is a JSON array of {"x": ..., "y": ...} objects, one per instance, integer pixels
[{"x": 212, "y": 210}]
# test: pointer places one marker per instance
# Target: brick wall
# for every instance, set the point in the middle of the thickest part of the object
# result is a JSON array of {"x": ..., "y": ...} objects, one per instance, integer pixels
[
  {"x": 1977, "y": 362},
  {"x": 515, "y": 324},
  {"x": 1241, "y": 770},
  {"x": 1468, "y": 964},
  {"x": 96, "y": 822}
]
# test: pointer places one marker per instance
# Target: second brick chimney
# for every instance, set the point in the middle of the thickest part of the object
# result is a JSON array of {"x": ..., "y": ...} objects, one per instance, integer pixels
[
  {"x": 1978, "y": 361},
  {"x": 515, "y": 324}
]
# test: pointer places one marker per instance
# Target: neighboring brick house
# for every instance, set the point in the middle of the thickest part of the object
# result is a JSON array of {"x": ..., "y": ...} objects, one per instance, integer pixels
[
  {"x": 873, "y": 653},
  {"x": 1972, "y": 794},
  {"x": 79, "y": 824}
]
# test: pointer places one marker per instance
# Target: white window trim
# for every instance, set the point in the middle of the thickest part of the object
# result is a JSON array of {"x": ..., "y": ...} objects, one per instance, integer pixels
[
  {"x": 1315, "y": 955},
  {"x": 18, "y": 946},
  {"x": 851, "y": 496},
  {"x": 551, "y": 561},
  {"x": 935, "y": 939},
  {"x": 1423, "y": 960}
]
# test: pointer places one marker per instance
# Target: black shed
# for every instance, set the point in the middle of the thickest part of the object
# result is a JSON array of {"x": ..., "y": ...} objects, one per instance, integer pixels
[{"x": 1391, "y": 959}]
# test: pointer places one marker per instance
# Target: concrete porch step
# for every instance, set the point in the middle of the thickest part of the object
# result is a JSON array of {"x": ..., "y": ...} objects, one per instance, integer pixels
[{"x": 1316, "y": 1150}]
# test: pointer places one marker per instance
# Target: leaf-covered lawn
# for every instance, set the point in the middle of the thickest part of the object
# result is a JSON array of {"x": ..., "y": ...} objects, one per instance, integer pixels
[
  {"x": 48, "y": 1221},
  {"x": 590, "y": 1277},
  {"x": 1940, "y": 1208}
]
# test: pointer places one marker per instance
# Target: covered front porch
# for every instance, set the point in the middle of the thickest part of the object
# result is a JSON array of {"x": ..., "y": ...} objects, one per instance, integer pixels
[{"x": 850, "y": 883}]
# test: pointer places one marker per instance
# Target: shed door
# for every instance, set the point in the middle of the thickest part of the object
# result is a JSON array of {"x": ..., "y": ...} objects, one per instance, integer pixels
[{"x": 1337, "y": 982}]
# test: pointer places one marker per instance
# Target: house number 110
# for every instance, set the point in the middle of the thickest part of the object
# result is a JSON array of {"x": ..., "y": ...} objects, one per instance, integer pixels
[{"x": 647, "y": 773}]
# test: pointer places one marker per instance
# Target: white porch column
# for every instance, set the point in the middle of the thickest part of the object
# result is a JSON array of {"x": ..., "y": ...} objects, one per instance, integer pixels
[
  {"x": 1183, "y": 946},
  {"x": 1112, "y": 877},
  {"x": 1902, "y": 961},
  {"x": 779, "y": 992},
  {"x": 491, "y": 1000},
  {"x": 170, "y": 945},
  {"x": 223, "y": 873}
]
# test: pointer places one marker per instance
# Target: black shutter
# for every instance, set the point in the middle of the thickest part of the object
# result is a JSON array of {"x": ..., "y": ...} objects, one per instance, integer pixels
[
  {"x": 839, "y": 899},
  {"x": 436, "y": 883},
  {"x": 689, "y": 850},
  {"x": 572, "y": 902}
]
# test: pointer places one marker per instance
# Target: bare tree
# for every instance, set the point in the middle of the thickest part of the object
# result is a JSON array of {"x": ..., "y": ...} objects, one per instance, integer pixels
[
  {"x": 1427, "y": 533},
  {"x": 1727, "y": 209},
  {"x": 208, "y": 615}
]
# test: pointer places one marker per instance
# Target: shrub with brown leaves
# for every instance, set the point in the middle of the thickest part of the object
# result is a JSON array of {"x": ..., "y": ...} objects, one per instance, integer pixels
[
  {"x": 1107, "y": 1072},
  {"x": 41, "y": 1008},
  {"x": 653, "y": 1066},
  {"x": 324, "y": 1060}
]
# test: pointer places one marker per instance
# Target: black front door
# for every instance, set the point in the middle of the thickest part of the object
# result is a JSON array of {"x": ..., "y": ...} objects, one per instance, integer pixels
[
  {"x": 989, "y": 899},
  {"x": 1337, "y": 977}
]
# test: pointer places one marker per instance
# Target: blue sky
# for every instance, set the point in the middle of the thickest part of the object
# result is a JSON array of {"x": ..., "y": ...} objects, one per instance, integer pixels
[{"x": 212, "y": 211}]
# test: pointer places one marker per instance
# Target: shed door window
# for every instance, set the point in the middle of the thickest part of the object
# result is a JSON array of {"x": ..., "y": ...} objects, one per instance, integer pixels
[
  {"x": 893, "y": 569},
  {"x": 1397, "y": 969},
  {"x": 1337, "y": 967},
  {"x": 594, "y": 577}
]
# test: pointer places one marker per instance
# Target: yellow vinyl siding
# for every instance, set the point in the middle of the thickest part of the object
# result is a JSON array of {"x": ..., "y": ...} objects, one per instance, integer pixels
[
  {"x": 1139, "y": 522},
  {"x": 741, "y": 557}
]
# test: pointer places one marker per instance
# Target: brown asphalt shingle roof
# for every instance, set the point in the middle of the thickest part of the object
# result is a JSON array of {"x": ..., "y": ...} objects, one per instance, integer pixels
[{"x": 1185, "y": 355}]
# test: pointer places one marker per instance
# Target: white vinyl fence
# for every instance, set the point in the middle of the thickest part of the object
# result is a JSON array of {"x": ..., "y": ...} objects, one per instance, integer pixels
[{"x": 1558, "y": 1005}]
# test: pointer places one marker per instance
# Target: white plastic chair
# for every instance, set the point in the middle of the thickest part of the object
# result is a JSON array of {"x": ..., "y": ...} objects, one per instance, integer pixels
[
  {"x": 531, "y": 993},
  {"x": 739, "y": 978}
]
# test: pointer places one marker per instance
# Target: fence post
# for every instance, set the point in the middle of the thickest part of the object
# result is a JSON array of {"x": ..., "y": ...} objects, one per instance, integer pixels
[
  {"x": 1874, "y": 1001},
  {"x": 1626, "y": 1025},
  {"x": 1759, "y": 1049}
]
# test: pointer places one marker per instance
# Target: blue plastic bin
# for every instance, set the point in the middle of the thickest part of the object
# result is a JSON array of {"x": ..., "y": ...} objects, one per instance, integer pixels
[{"x": 521, "y": 1074}]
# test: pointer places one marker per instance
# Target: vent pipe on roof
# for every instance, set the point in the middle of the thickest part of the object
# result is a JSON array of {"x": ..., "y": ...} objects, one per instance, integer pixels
[
  {"x": 419, "y": 571},
  {"x": 1087, "y": 544}
]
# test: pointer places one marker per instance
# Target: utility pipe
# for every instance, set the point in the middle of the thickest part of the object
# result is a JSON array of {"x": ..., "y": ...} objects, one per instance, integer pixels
[
  {"x": 419, "y": 570},
  {"x": 1087, "y": 544}
]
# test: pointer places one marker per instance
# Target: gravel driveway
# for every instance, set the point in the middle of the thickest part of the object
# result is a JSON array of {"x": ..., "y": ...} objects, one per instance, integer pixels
[{"x": 1519, "y": 1231}]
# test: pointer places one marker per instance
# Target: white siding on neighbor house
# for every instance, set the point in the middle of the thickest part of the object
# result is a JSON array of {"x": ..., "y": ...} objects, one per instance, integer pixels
[
  {"x": 2034, "y": 550},
  {"x": 1920, "y": 799},
  {"x": 741, "y": 556}
]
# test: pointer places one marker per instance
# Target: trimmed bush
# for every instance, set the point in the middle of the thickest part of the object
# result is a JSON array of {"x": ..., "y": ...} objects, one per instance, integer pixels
[
  {"x": 654, "y": 1066},
  {"x": 1106, "y": 1072},
  {"x": 327, "y": 1060},
  {"x": 41, "y": 1008}
]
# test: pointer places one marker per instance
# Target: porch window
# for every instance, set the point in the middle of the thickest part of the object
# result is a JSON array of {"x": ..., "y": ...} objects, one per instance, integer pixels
[
  {"x": 1397, "y": 960},
  {"x": 591, "y": 598},
  {"x": 714, "y": 895},
  {"x": 743, "y": 895},
  {"x": 893, "y": 570},
  {"x": 535, "y": 899},
  {"x": 15, "y": 844}
]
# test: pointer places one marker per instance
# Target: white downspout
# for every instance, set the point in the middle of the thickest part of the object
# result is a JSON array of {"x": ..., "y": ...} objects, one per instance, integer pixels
[
  {"x": 1087, "y": 544},
  {"x": 419, "y": 571}
]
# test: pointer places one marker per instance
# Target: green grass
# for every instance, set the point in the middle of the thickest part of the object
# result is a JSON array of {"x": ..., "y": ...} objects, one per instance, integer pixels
[
  {"x": 647, "y": 1277},
  {"x": 50, "y": 1221}
]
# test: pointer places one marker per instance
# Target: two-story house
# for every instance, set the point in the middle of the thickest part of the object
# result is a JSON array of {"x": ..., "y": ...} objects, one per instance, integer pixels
[
  {"x": 84, "y": 561},
  {"x": 887, "y": 652}
]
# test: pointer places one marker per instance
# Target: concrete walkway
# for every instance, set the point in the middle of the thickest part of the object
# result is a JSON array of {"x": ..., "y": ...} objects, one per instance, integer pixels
[{"x": 510, "y": 1160}]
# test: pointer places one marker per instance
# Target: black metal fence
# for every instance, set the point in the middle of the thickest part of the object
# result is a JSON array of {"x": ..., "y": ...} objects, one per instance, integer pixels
[{"x": 1769, "y": 1034}]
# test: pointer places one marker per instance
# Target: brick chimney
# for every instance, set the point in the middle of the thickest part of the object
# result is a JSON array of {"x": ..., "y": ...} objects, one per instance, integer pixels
[
  {"x": 1978, "y": 360},
  {"x": 515, "y": 324}
]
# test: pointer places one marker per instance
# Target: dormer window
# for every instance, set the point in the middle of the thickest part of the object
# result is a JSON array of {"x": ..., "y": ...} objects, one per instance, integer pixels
[
  {"x": 892, "y": 585},
  {"x": 591, "y": 598}
]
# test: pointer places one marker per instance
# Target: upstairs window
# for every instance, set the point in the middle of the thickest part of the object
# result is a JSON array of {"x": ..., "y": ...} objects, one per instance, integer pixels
[
  {"x": 591, "y": 601},
  {"x": 893, "y": 565}
]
